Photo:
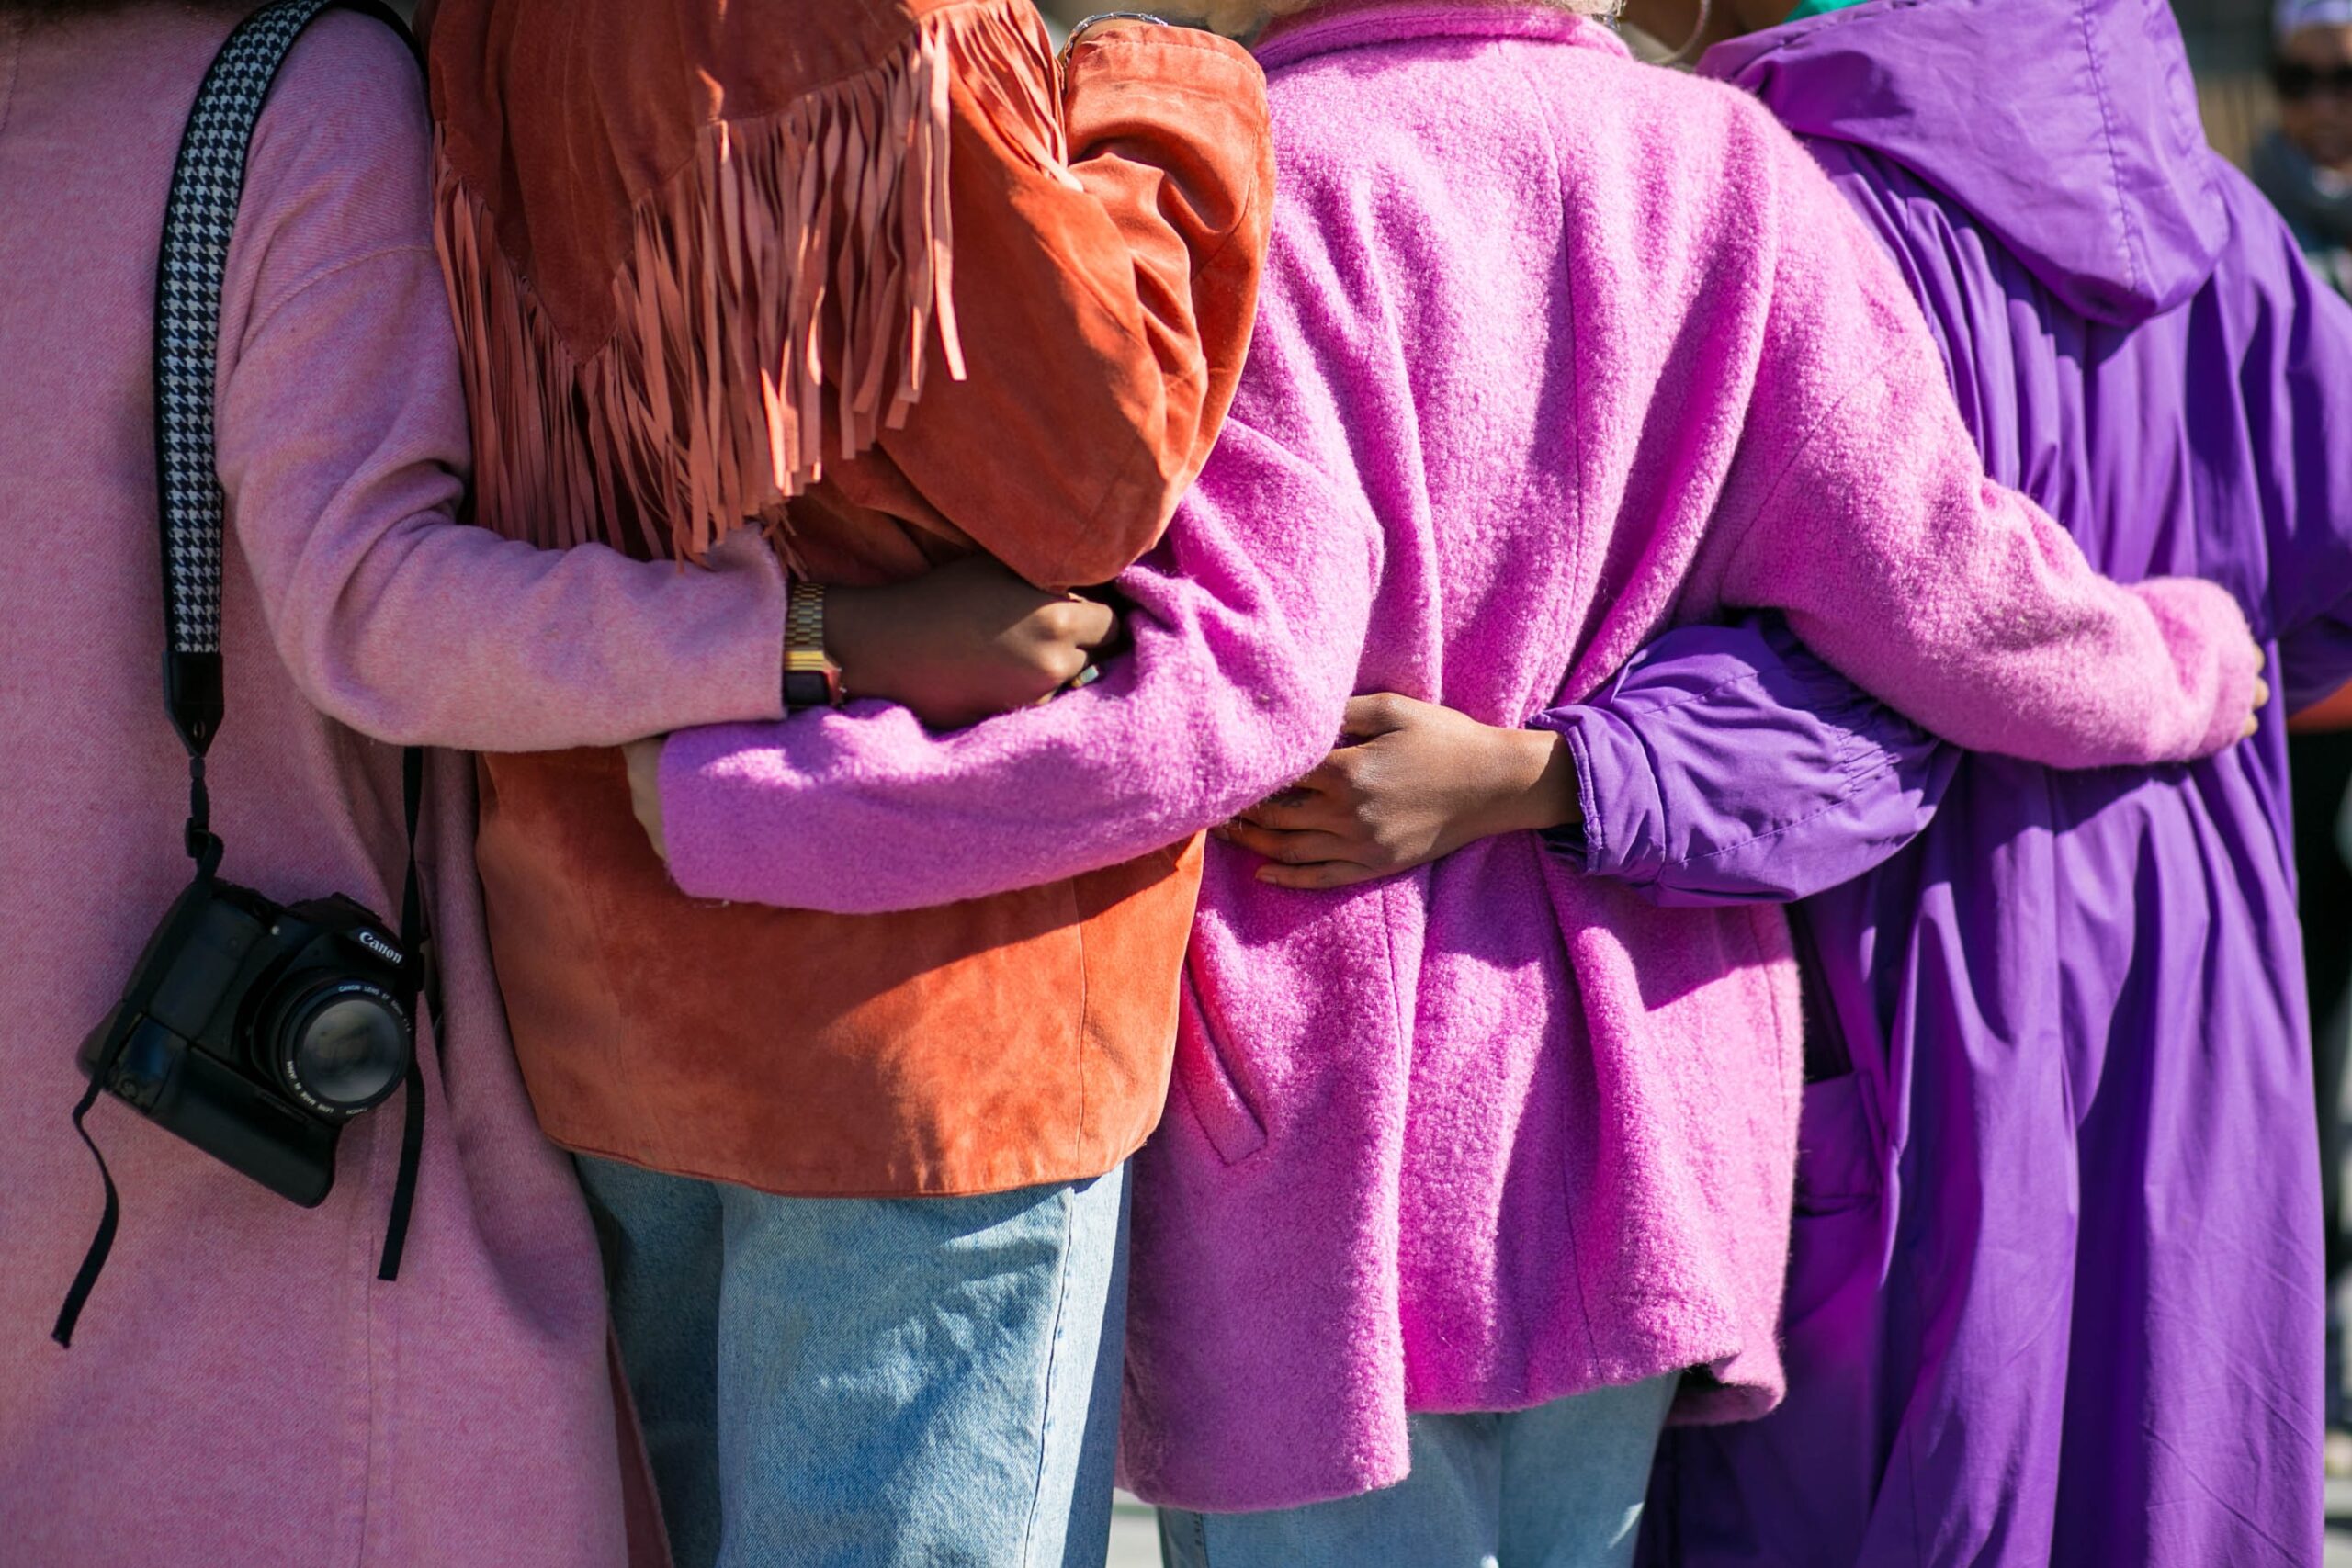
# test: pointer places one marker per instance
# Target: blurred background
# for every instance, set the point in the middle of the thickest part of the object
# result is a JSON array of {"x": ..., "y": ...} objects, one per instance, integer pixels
[{"x": 2228, "y": 41}]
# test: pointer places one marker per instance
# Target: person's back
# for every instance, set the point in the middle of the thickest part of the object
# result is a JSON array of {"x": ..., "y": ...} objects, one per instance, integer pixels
[
  {"x": 2056, "y": 1157},
  {"x": 242, "y": 1388},
  {"x": 1444, "y": 337}
]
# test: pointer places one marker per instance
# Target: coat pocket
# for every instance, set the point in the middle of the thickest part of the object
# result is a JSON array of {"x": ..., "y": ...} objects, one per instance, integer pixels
[
  {"x": 1831, "y": 1315},
  {"x": 1838, "y": 1166},
  {"x": 1210, "y": 1086}
]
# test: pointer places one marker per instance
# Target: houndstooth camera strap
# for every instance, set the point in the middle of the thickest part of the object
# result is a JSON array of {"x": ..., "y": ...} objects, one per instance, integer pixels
[{"x": 199, "y": 220}]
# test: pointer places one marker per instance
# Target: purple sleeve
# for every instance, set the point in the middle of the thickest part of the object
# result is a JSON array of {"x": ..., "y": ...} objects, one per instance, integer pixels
[
  {"x": 1729, "y": 765},
  {"x": 2298, "y": 403}
]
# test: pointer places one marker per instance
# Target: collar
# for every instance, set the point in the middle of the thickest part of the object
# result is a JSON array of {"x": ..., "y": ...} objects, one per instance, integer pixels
[{"x": 1356, "y": 24}]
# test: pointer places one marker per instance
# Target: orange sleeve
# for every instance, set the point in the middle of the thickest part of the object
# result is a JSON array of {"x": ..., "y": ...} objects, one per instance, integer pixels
[{"x": 1103, "y": 306}]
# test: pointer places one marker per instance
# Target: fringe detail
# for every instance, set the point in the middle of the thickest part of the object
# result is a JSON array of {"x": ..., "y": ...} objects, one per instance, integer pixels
[{"x": 789, "y": 277}]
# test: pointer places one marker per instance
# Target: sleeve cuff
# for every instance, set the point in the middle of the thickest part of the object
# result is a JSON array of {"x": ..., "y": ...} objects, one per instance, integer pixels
[
  {"x": 703, "y": 858},
  {"x": 1623, "y": 832}
]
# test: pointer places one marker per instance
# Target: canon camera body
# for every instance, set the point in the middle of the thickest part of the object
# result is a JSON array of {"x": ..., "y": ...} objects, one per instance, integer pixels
[{"x": 255, "y": 1032}]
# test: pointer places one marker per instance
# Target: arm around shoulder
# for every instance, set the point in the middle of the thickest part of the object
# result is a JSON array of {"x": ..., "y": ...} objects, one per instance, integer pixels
[
  {"x": 342, "y": 449},
  {"x": 1861, "y": 508}
]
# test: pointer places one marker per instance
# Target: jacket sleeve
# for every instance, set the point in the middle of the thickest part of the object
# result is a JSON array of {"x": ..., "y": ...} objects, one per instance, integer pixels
[
  {"x": 1859, "y": 507},
  {"x": 2298, "y": 400},
  {"x": 1104, "y": 306},
  {"x": 342, "y": 448},
  {"x": 1246, "y": 622},
  {"x": 1729, "y": 765}
]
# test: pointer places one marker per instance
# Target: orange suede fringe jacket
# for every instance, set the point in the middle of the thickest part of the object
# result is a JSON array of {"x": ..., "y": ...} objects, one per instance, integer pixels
[{"x": 879, "y": 277}]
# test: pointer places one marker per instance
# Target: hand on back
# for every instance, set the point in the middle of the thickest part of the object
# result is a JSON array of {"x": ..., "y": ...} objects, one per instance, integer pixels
[
  {"x": 958, "y": 645},
  {"x": 964, "y": 643},
  {"x": 1411, "y": 782}
]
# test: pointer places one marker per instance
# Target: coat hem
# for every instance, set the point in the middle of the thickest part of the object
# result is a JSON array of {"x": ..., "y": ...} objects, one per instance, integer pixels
[{"x": 789, "y": 1184}]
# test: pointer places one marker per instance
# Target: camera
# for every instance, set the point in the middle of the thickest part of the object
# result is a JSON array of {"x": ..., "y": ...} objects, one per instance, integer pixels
[{"x": 255, "y": 1032}]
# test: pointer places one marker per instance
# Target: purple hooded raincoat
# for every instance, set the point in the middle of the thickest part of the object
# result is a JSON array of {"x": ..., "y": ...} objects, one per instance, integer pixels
[{"x": 2056, "y": 1295}]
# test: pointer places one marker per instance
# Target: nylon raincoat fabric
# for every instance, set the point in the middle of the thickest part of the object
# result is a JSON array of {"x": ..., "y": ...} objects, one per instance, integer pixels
[{"x": 2056, "y": 1294}]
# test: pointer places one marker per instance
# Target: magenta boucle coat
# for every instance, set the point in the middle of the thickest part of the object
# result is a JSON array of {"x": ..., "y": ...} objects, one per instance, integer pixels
[{"x": 1557, "y": 350}]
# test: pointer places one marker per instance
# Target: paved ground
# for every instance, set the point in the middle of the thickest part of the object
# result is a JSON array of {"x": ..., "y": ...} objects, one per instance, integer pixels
[{"x": 1136, "y": 1544}]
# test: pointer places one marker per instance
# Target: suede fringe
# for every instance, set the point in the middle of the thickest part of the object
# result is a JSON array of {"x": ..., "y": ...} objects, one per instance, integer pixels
[{"x": 785, "y": 286}]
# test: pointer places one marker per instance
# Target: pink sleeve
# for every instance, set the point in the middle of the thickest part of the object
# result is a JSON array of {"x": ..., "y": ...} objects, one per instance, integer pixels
[
  {"x": 342, "y": 446},
  {"x": 1247, "y": 621},
  {"x": 1870, "y": 521}
]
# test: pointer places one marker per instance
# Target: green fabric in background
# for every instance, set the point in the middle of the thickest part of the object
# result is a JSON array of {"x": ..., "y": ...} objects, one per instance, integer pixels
[{"x": 1819, "y": 9}]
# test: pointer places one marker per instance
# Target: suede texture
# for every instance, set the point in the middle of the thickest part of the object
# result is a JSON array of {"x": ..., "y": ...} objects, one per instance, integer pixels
[
  {"x": 1010, "y": 1040},
  {"x": 971, "y": 1048}
]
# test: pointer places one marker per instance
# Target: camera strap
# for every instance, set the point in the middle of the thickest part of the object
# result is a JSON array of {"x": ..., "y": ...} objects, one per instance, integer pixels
[
  {"x": 199, "y": 221},
  {"x": 417, "y": 988}
]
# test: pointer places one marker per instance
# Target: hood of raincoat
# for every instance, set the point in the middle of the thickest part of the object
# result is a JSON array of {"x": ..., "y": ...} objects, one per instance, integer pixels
[{"x": 2068, "y": 128}]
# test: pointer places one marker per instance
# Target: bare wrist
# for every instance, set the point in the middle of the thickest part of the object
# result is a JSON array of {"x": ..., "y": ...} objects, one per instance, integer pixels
[{"x": 1537, "y": 787}]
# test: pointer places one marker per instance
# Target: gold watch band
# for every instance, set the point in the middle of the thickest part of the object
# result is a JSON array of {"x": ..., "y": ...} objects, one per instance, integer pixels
[{"x": 810, "y": 677}]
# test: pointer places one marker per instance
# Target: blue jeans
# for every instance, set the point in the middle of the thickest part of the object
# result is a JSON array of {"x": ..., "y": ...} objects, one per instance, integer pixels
[
  {"x": 867, "y": 1383},
  {"x": 1557, "y": 1486}
]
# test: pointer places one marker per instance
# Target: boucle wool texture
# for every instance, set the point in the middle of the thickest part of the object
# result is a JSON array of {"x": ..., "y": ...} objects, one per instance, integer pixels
[{"x": 1555, "y": 352}]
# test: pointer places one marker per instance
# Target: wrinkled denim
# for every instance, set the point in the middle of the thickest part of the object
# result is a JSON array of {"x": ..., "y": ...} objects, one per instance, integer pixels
[
  {"x": 836, "y": 1382},
  {"x": 1557, "y": 1486}
]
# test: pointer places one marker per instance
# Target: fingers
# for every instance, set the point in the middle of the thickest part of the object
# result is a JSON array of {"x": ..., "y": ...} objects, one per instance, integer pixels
[
  {"x": 1296, "y": 810},
  {"x": 1285, "y": 847},
  {"x": 1319, "y": 876},
  {"x": 1086, "y": 623},
  {"x": 2261, "y": 693}
]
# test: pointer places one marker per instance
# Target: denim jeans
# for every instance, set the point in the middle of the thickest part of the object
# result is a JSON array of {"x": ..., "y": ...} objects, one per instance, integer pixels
[
  {"x": 834, "y": 1382},
  {"x": 1557, "y": 1486}
]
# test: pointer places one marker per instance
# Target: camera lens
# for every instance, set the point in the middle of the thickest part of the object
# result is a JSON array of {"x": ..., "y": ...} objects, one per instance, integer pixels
[{"x": 342, "y": 1047}]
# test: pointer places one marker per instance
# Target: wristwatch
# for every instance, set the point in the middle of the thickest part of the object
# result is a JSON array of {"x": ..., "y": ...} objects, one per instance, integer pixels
[{"x": 812, "y": 680}]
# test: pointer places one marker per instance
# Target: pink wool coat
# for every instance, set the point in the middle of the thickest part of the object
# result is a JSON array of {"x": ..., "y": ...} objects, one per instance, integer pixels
[
  {"x": 242, "y": 1390},
  {"x": 1555, "y": 351}
]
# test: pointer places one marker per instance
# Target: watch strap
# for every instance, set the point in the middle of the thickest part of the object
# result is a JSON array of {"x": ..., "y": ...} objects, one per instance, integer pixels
[{"x": 810, "y": 677}]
